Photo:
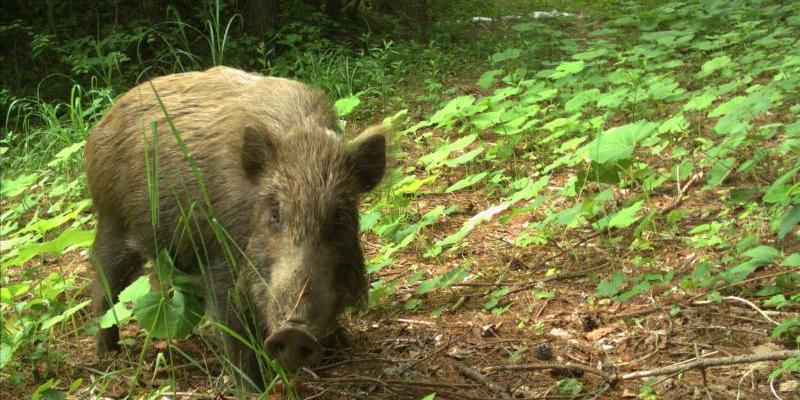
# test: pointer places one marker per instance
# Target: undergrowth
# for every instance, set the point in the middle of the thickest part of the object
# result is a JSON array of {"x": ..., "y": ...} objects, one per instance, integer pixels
[{"x": 634, "y": 126}]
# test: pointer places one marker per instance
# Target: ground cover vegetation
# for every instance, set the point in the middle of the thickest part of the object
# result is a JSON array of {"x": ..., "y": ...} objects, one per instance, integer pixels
[{"x": 600, "y": 200}]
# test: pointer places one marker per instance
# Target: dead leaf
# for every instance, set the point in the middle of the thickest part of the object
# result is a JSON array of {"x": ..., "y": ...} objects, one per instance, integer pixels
[{"x": 604, "y": 330}]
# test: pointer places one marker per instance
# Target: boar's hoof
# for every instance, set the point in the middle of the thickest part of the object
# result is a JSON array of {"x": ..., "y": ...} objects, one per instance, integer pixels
[
  {"x": 294, "y": 348},
  {"x": 107, "y": 342}
]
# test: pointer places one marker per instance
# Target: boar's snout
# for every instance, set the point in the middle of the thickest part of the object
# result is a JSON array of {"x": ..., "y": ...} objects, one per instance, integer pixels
[{"x": 294, "y": 347}]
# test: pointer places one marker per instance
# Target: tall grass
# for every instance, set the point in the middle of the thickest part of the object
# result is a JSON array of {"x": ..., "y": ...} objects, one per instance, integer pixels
[{"x": 36, "y": 129}]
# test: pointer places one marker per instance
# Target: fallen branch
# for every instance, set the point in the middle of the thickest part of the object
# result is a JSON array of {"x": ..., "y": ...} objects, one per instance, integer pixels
[
  {"x": 552, "y": 278},
  {"x": 669, "y": 370},
  {"x": 478, "y": 377},
  {"x": 609, "y": 377},
  {"x": 745, "y": 301},
  {"x": 712, "y": 362}
]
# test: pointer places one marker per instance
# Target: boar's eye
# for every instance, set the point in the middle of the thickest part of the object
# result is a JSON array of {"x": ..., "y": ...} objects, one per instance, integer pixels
[{"x": 274, "y": 216}]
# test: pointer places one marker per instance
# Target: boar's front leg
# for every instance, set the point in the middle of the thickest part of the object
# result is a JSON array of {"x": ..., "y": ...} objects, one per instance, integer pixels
[
  {"x": 234, "y": 313},
  {"x": 115, "y": 267}
]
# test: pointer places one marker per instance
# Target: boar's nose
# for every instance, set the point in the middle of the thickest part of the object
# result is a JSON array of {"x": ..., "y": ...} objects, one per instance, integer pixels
[{"x": 294, "y": 348}]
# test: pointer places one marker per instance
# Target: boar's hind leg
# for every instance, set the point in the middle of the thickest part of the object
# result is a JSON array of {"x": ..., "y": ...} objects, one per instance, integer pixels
[{"x": 115, "y": 266}]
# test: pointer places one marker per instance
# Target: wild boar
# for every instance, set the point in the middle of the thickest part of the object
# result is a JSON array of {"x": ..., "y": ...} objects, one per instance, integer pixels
[{"x": 274, "y": 174}]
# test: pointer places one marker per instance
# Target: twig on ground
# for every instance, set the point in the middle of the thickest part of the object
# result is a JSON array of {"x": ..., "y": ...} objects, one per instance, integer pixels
[
  {"x": 712, "y": 362},
  {"x": 498, "y": 282},
  {"x": 739, "y": 299},
  {"x": 376, "y": 360},
  {"x": 788, "y": 271},
  {"x": 556, "y": 278},
  {"x": 193, "y": 395},
  {"x": 703, "y": 373},
  {"x": 413, "y": 363},
  {"x": 636, "y": 313},
  {"x": 414, "y": 321},
  {"x": 556, "y": 365},
  {"x": 478, "y": 377},
  {"x": 668, "y": 370},
  {"x": 681, "y": 191}
]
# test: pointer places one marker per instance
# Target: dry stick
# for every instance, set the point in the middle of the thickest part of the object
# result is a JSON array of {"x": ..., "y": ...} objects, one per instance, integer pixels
[
  {"x": 390, "y": 382},
  {"x": 562, "y": 366},
  {"x": 703, "y": 372},
  {"x": 712, "y": 362},
  {"x": 749, "y": 303},
  {"x": 496, "y": 283},
  {"x": 556, "y": 278},
  {"x": 413, "y": 363},
  {"x": 478, "y": 377},
  {"x": 669, "y": 370},
  {"x": 746, "y": 281},
  {"x": 204, "y": 396},
  {"x": 679, "y": 198},
  {"x": 375, "y": 360}
]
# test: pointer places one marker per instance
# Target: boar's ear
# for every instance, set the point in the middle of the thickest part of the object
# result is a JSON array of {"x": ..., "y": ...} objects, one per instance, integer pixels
[
  {"x": 368, "y": 154},
  {"x": 257, "y": 148}
]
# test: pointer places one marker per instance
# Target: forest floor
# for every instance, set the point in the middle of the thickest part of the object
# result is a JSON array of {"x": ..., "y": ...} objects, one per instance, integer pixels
[
  {"x": 452, "y": 346},
  {"x": 526, "y": 323}
]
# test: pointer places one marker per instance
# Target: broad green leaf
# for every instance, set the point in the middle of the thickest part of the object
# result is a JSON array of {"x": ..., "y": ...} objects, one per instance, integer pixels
[
  {"x": 346, "y": 105},
  {"x": 619, "y": 142},
  {"x": 778, "y": 192},
  {"x": 466, "y": 182},
  {"x": 741, "y": 271},
  {"x": 495, "y": 297},
  {"x": 66, "y": 153},
  {"x": 168, "y": 317},
  {"x": 413, "y": 184},
  {"x": 9, "y": 292},
  {"x": 471, "y": 223},
  {"x": 48, "y": 391},
  {"x": 455, "y": 275},
  {"x": 567, "y": 68},
  {"x": 123, "y": 310},
  {"x": 676, "y": 124},
  {"x": 788, "y": 221},
  {"x": 792, "y": 261},
  {"x": 488, "y": 78},
  {"x": 580, "y": 99},
  {"x": 70, "y": 238},
  {"x": 765, "y": 253},
  {"x": 713, "y": 65},
  {"x": 591, "y": 54},
  {"x": 569, "y": 216},
  {"x": 441, "y": 154},
  {"x": 14, "y": 187},
  {"x": 427, "y": 285},
  {"x": 627, "y": 216},
  {"x": 464, "y": 158},
  {"x": 702, "y": 101},
  {"x": 43, "y": 226},
  {"x": 452, "y": 110},
  {"x": 65, "y": 315},
  {"x": 505, "y": 55},
  {"x": 719, "y": 170}
]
